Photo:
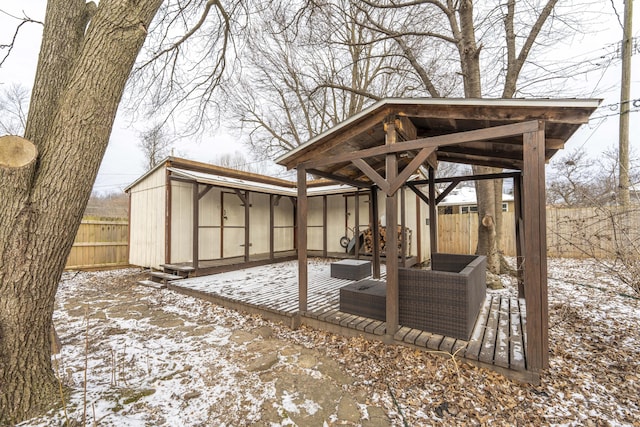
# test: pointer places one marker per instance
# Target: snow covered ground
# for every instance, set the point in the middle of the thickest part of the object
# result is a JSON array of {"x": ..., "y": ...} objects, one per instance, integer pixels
[{"x": 152, "y": 357}]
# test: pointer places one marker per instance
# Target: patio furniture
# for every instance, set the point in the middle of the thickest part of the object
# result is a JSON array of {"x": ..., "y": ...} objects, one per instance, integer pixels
[
  {"x": 351, "y": 269},
  {"x": 446, "y": 299},
  {"x": 365, "y": 298}
]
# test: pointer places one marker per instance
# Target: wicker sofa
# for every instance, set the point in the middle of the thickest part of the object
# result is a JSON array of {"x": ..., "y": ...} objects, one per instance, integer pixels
[{"x": 446, "y": 299}]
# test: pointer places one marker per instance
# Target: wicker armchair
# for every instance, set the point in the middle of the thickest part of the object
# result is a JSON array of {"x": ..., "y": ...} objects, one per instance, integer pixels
[{"x": 446, "y": 299}]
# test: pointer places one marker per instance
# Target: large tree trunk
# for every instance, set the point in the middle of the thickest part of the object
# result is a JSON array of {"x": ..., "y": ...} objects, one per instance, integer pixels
[{"x": 79, "y": 83}]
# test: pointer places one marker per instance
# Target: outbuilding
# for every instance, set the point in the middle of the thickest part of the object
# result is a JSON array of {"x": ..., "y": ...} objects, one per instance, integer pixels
[{"x": 245, "y": 219}]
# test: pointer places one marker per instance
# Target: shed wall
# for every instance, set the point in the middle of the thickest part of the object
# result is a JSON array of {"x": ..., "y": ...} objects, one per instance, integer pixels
[{"x": 147, "y": 220}]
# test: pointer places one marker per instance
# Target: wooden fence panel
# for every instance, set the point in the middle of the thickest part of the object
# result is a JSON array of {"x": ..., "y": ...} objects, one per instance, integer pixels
[
  {"x": 99, "y": 244},
  {"x": 571, "y": 232}
]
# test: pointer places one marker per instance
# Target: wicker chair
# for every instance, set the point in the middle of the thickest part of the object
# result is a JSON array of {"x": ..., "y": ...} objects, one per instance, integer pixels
[{"x": 446, "y": 299}]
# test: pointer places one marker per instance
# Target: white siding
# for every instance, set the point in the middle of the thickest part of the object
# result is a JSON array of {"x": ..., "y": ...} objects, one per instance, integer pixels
[
  {"x": 232, "y": 225},
  {"x": 315, "y": 229},
  {"x": 336, "y": 222},
  {"x": 210, "y": 215},
  {"x": 283, "y": 223},
  {"x": 181, "y": 222},
  {"x": 259, "y": 223},
  {"x": 147, "y": 220}
]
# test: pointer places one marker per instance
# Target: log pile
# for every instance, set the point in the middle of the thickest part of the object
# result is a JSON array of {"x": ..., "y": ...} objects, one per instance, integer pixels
[{"x": 368, "y": 239}]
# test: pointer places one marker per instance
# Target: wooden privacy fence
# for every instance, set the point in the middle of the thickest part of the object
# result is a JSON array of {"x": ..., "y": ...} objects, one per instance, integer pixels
[
  {"x": 99, "y": 244},
  {"x": 602, "y": 232}
]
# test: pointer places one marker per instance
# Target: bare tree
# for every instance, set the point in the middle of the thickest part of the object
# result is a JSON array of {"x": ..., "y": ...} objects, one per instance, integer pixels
[
  {"x": 505, "y": 32},
  {"x": 86, "y": 56},
  {"x": 308, "y": 69},
  {"x": 155, "y": 145},
  {"x": 605, "y": 230},
  {"x": 14, "y": 104},
  {"x": 577, "y": 180}
]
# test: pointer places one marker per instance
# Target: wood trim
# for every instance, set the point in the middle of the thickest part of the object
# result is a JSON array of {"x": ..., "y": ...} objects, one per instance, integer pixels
[{"x": 231, "y": 173}]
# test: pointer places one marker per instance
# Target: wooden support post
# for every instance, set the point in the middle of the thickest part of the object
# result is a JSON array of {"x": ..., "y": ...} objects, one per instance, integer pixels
[
  {"x": 356, "y": 226},
  {"x": 272, "y": 201},
  {"x": 433, "y": 213},
  {"x": 535, "y": 267},
  {"x": 167, "y": 217},
  {"x": 374, "y": 216},
  {"x": 418, "y": 230},
  {"x": 247, "y": 225},
  {"x": 517, "y": 204},
  {"x": 403, "y": 243},
  {"x": 325, "y": 231},
  {"x": 196, "y": 226},
  {"x": 303, "y": 208},
  {"x": 391, "y": 245}
]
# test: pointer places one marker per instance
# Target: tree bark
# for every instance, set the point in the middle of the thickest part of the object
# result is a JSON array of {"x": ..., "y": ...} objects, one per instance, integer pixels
[{"x": 79, "y": 82}]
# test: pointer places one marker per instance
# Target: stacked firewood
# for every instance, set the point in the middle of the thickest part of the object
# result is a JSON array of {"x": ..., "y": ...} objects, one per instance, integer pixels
[{"x": 368, "y": 239}]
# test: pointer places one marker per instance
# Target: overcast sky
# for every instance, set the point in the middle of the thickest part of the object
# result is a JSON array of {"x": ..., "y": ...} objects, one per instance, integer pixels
[{"x": 123, "y": 161}]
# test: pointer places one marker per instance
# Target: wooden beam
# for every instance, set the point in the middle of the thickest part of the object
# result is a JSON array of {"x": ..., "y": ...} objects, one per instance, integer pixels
[
  {"x": 302, "y": 208},
  {"x": 391, "y": 246},
  {"x": 535, "y": 268},
  {"x": 374, "y": 215},
  {"x": 203, "y": 193},
  {"x": 410, "y": 169},
  {"x": 168, "y": 202},
  {"x": 339, "y": 178},
  {"x": 195, "y": 166},
  {"x": 372, "y": 174},
  {"x": 447, "y": 190},
  {"x": 403, "y": 243},
  {"x": 418, "y": 192},
  {"x": 247, "y": 223},
  {"x": 467, "y": 178},
  {"x": 433, "y": 213},
  {"x": 480, "y": 161},
  {"x": 335, "y": 139},
  {"x": 405, "y": 128},
  {"x": 241, "y": 196},
  {"x": 324, "y": 226},
  {"x": 431, "y": 142},
  {"x": 517, "y": 203},
  {"x": 273, "y": 201}
]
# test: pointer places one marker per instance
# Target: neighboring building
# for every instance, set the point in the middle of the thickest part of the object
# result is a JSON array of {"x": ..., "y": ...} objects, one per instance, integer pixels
[{"x": 463, "y": 200}]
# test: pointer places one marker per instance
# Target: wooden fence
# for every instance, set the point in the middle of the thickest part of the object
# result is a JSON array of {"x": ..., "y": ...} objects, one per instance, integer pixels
[
  {"x": 100, "y": 244},
  {"x": 571, "y": 232}
]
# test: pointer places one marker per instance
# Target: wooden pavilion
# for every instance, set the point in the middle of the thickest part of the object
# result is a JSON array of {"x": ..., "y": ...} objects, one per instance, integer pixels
[{"x": 382, "y": 146}]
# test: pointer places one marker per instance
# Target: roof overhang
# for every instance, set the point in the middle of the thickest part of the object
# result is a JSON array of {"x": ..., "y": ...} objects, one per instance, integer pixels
[{"x": 420, "y": 119}]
